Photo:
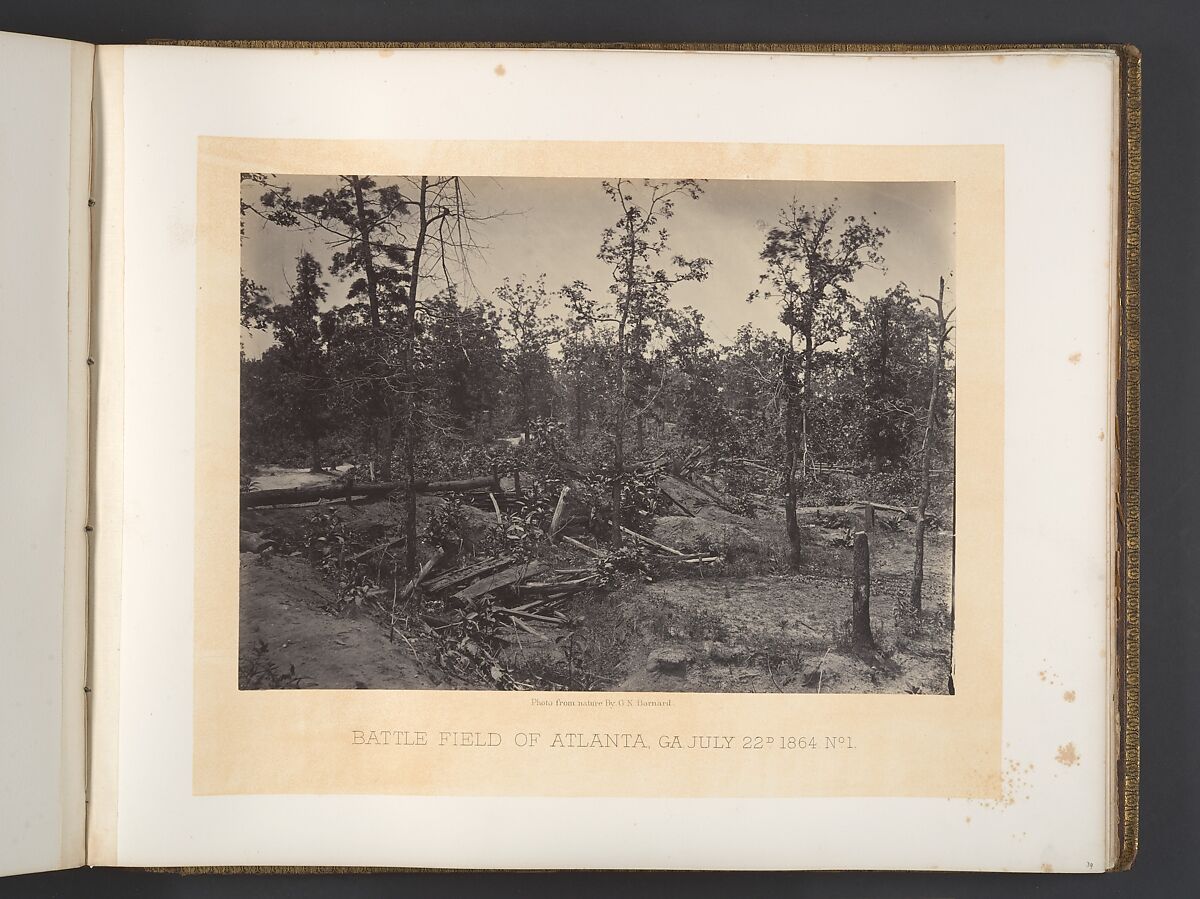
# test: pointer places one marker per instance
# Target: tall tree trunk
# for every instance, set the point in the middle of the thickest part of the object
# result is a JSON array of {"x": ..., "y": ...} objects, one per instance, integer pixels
[
  {"x": 622, "y": 398},
  {"x": 368, "y": 260},
  {"x": 314, "y": 454},
  {"x": 382, "y": 402},
  {"x": 410, "y": 383},
  {"x": 926, "y": 449},
  {"x": 619, "y": 440},
  {"x": 789, "y": 507},
  {"x": 807, "y": 399},
  {"x": 790, "y": 454},
  {"x": 881, "y": 446}
]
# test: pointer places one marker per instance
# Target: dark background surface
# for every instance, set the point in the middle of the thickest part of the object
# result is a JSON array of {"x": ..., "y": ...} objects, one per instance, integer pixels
[{"x": 1167, "y": 35}]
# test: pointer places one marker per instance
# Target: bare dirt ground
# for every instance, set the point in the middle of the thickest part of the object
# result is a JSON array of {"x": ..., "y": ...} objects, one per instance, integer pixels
[
  {"x": 285, "y": 608},
  {"x": 747, "y": 624},
  {"x": 777, "y": 632}
]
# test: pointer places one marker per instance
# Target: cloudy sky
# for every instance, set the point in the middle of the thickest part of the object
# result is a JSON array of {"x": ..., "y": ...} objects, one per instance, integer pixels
[{"x": 552, "y": 226}]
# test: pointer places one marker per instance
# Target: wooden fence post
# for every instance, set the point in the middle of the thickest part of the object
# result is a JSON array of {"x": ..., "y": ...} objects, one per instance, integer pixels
[
  {"x": 860, "y": 608},
  {"x": 869, "y": 517}
]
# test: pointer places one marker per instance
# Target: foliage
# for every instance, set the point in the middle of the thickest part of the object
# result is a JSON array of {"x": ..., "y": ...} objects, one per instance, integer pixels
[
  {"x": 600, "y": 386},
  {"x": 446, "y": 526}
]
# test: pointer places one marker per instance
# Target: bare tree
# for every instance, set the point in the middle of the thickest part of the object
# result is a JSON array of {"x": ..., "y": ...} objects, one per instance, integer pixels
[{"x": 935, "y": 377}]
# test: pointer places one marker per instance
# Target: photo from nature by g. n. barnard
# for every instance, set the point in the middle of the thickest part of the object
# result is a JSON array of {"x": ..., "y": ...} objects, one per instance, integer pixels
[{"x": 584, "y": 434}]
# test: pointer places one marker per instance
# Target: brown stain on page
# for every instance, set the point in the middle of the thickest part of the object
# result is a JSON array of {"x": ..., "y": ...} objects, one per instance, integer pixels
[
  {"x": 500, "y": 70},
  {"x": 1015, "y": 785},
  {"x": 1074, "y": 358},
  {"x": 1067, "y": 755},
  {"x": 1049, "y": 677},
  {"x": 1069, "y": 696}
]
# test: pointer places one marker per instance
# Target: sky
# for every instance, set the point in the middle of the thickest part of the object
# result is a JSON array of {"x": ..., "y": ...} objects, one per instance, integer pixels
[{"x": 552, "y": 226}]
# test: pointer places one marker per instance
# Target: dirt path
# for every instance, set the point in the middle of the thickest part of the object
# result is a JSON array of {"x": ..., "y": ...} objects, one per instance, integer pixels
[{"x": 283, "y": 604}]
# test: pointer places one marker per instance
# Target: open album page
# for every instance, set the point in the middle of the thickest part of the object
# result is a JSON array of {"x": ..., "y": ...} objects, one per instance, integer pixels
[{"x": 701, "y": 459}]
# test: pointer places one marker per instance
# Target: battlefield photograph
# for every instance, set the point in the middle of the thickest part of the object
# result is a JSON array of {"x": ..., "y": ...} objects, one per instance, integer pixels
[{"x": 613, "y": 435}]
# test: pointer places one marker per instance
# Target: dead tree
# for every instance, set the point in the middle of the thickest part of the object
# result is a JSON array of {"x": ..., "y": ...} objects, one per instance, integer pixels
[
  {"x": 860, "y": 603},
  {"x": 935, "y": 379}
]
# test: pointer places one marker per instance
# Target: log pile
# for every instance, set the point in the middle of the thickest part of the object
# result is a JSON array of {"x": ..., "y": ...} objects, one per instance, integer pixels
[{"x": 518, "y": 593}]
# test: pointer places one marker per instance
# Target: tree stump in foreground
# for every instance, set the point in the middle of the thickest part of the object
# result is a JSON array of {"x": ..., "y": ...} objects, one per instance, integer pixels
[{"x": 860, "y": 606}]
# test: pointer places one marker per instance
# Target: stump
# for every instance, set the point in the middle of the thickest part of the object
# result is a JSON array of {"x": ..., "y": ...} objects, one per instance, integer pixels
[
  {"x": 869, "y": 517},
  {"x": 860, "y": 604}
]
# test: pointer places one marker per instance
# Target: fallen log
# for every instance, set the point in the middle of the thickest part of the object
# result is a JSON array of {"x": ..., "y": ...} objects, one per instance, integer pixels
[
  {"x": 498, "y": 581},
  {"x": 558, "y": 619},
  {"x": 658, "y": 461},
  {"x": 290, "y": 496},
  {"x": 571, "y": 468},
  {"x": 421, "y": 575},
  {"x": 654, "y": 543},
  {"x": 884, "y": 506},
  {"x": 749, "y": 463},
  {"x": 374, "y": 549},
  {"x": 579, "y": 544},
  {"x": 518, "y": 623},
  {"x": 466, "y": 573},
  {"x": 404, "y": 594},
  {"x": 551, "y": 587}
]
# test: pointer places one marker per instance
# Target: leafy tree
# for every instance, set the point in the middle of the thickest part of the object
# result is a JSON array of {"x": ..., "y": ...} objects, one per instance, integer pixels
[
  {"x": 364, "y": 223},
  {"x": 388, "y": 240},
  {"x": 887, "y": 358},
  {"x": 585, "y": 367},
  {"x": 635, "y": 248},
  {"x": 255, "y": 304},
  {"x": 811, "y": 257},
  {"x": 464, "y": 362},
  {"x": 301, "y": 389},
  {"x": 529, "y": 333}
]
